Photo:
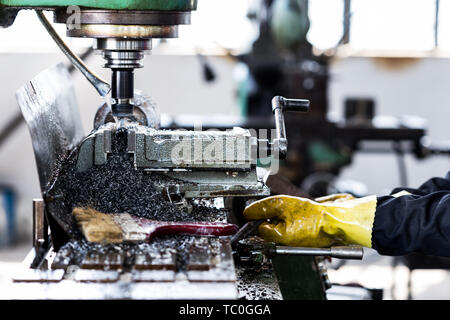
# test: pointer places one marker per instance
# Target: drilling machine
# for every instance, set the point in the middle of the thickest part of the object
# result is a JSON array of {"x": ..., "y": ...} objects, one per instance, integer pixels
[{"x": 64, "y": 268}]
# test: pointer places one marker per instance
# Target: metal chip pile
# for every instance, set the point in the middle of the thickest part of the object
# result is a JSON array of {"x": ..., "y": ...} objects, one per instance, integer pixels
[{"x": 118, "y": 187}]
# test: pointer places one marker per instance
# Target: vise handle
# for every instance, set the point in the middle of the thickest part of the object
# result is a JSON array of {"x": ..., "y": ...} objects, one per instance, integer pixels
[
  {"x": 345, "y": 252},
  {"x": 279, "y": 106},
  {"x": 255, "y": 249}
]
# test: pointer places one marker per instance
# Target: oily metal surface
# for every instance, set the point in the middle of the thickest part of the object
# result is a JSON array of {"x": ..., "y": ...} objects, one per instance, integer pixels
[
  {"x": 188, "y": 253},
  {"x": 257, "y": 282},
  {"x": 49, "y": 107},
  {"x": 117, "y": 187},
  {"x": 75, "y": 252}
]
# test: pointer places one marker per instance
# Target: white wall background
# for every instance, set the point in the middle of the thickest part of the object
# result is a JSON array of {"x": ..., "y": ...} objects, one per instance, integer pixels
[{"x": 418, "y": 87}]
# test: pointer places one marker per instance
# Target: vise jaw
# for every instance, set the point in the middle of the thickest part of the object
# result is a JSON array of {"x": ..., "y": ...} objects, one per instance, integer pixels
[{"x": 205, "y": 164}]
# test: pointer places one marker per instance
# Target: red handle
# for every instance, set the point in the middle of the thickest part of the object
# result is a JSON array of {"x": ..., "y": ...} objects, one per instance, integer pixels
[{"x": 162, "y": 228}]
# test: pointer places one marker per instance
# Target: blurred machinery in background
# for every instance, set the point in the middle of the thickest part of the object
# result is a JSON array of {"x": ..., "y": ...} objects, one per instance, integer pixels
[{"x": 282, "y": 62}]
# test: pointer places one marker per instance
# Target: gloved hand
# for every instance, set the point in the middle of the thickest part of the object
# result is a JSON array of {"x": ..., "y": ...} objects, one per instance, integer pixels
[{"x": 333, "y": 220}]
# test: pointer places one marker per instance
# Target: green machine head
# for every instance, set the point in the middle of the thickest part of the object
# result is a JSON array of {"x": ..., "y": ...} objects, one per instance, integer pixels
[{"x": 9, "y": 8}]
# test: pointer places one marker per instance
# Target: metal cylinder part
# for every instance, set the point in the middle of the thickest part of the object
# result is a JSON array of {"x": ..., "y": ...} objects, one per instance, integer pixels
[
  {"x": 122, "y": 91},
  {"x": 355, "y": 253},
  {"x": 123, "y": 44},
  {"x": 123, "y": 53},
  {"x": 122, "y": 84},
  {"x": 104, "y": 24},
  {"x": 123, "y": 17},
  {"x": 92, "y": 23},
  {"x": 122, "y": 57},
  {"x": 122, "y": 31},
  {"x": 40, "y": 228}
]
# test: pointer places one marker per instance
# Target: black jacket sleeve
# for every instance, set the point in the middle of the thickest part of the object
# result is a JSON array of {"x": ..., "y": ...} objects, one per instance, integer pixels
[{"x": 419, "y": 222}]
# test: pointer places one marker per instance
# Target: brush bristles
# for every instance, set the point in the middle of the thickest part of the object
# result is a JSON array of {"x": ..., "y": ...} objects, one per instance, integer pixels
[{"x": 97, "y": 227}]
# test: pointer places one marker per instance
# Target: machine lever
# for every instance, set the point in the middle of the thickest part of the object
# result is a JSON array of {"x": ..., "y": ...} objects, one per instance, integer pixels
[
  {"x": 290, "y": 105},
  {"x": 280, "y": 105}
]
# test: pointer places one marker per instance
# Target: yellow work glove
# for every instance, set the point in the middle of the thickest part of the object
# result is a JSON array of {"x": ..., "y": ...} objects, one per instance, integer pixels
[{"x": 333, "y": 220}]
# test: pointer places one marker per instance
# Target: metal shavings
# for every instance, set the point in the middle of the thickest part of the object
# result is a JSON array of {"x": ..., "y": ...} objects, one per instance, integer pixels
[
  {"x": 118, "y": 187},
  {"x": 78, "y": 251},
  {"x": 258, "y": 283}
]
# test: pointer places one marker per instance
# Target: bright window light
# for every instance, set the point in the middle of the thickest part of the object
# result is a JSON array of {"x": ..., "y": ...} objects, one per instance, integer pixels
[
  {"x": 326, "y": 17},
  {"x": 375, "y": 25},
  {"x": 28, "y": 35},
  {"x": 393, "y": 24},
  {"x": 222, "y": 23},
  {"x": 444, "y": 24}
]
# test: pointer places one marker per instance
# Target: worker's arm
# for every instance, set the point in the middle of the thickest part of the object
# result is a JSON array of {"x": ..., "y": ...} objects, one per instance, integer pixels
[
  {"x": 393, "y": 225},
  {"x": 419, "y": 222}
]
